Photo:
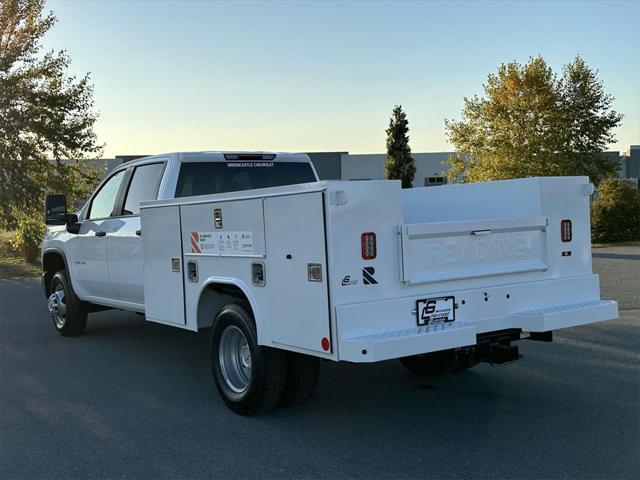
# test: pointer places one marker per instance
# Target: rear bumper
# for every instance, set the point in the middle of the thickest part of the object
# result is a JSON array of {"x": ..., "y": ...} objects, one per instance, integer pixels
[
  {"x": 402, "y": 343},
  {"x": 565, "y": 316},
  {"x": 374, "y": 346}
]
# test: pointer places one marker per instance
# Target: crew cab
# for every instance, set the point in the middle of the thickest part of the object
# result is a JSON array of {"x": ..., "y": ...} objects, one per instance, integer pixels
[{"x": 287, "y": 270}]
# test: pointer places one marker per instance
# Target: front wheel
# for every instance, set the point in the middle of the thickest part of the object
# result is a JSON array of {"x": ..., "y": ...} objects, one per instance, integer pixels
[
  {"x": 250, "y": 378},
  {"x": 68, "y": 312}
]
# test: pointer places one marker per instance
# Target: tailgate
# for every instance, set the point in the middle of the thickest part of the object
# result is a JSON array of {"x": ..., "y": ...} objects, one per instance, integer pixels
[{"x": 434, "y": 252}]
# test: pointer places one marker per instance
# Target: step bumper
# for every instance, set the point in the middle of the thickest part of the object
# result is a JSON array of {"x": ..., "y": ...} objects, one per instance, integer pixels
[
  {"x": 413, "y": 341},
  {"x": 565, "y": 316},
  {"x": 402, "y": 343}
]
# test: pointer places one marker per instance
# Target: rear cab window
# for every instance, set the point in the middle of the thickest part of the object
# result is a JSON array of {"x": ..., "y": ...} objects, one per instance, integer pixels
[{"x": 206, "y": 178}]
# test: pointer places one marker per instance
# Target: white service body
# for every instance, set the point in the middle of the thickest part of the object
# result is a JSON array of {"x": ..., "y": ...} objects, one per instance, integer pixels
[{"x": 489, "y": 256}]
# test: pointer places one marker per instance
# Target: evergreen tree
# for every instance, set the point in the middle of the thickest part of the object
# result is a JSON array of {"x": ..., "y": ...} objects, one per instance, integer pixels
[
  {"x": 45, "y": 115},
  {"x": 400, "y": 164}
]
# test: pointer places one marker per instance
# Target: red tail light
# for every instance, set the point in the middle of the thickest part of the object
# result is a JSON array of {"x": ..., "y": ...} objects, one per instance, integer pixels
[
  {"x": 565, "y": 230},
  {"x": 368, "y": 243}
]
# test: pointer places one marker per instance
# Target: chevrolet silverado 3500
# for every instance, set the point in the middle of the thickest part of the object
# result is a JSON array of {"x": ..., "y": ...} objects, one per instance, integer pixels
[{"x": 288, "y": 270}]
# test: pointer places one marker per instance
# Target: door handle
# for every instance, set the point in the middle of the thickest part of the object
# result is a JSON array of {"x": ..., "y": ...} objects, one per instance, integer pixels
[
  {"x": 139, "y": 232},
  {"x": 101, "y": 234}
]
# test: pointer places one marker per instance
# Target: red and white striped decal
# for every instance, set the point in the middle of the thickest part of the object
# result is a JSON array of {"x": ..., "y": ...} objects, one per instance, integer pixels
[{"x": 195, "y": 248}]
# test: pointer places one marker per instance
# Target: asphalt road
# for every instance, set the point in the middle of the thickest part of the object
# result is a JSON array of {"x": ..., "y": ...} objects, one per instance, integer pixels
[{"x": 131, "y": 399}]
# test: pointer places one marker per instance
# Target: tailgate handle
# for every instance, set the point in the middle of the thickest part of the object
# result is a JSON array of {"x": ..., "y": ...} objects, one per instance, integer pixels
[{"x": 481, "y": 232}]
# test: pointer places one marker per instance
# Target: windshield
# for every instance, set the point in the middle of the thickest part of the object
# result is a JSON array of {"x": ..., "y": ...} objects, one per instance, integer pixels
[{"x": 204, "y": 178}]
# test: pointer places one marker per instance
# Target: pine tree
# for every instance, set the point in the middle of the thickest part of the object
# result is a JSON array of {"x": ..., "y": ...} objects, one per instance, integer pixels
[{"x": 400, "y": 165}]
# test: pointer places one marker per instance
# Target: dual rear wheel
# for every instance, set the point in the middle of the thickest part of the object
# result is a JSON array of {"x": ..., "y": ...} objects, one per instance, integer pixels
[{"x": 252, "y": 378}]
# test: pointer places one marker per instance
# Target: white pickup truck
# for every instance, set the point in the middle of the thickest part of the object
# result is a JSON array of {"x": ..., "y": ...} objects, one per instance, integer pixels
[{"x": 289, "y": 270}]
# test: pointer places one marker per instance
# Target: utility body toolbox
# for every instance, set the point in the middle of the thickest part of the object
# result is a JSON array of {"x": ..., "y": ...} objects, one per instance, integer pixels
[{"x": 366, "y": 271}]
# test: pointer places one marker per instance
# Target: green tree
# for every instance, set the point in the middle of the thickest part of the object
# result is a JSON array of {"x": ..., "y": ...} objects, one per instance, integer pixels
[
  {"x": 532, "y": 122},
  {"x": 45, "y": 115},
  {"x": 400, "y": 165},
  {"x": 615, "y": 212}
]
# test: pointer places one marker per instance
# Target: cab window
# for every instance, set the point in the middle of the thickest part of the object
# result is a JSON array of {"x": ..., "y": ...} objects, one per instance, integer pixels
[
  {"x": 104, "y": 201},
  {"x": 205, "y": 178},
  {"x": 144, "y": 186}
]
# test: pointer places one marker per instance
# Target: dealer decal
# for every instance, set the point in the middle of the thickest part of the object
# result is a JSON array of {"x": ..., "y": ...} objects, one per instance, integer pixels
[
  {"x": 249, "y": 164},
  {"x": 221, "y": 243},
  {"x": 435, "y": 310}
]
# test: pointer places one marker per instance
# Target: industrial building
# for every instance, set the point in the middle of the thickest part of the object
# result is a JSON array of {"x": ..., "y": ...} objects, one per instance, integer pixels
[{"x": 431, "y": 167}]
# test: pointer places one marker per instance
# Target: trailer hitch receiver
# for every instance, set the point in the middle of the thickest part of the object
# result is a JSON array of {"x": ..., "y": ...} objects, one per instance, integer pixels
[{"x": 497, "y": 348}]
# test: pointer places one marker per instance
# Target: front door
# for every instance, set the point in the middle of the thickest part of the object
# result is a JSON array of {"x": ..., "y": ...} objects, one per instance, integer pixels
[{"x": 89, "y": 268}]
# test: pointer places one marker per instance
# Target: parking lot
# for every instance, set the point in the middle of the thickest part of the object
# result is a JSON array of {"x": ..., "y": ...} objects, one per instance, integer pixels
[{"x": 131, "y": 399}]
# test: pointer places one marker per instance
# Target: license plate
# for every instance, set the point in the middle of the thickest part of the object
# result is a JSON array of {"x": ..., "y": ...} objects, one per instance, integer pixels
[{"x": 435, "y": 310}]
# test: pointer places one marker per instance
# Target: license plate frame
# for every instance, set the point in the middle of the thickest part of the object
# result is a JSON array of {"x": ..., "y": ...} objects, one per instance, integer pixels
[{"x": 434, "y": 310}]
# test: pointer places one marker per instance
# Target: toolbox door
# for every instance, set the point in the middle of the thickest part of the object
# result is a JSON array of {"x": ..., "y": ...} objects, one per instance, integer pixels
[
  {"x": 296, "y": 271},
  {"x": 163, "y": 280}
]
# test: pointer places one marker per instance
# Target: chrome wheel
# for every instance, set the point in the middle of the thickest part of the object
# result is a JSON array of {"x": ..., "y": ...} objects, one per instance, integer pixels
[
  {"x": 234, "y": 356},
  {"x": 57, "y": 306}
]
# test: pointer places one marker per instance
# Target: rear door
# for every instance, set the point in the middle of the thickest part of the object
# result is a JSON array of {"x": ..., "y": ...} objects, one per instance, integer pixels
[{"x": 296, "y": 271}]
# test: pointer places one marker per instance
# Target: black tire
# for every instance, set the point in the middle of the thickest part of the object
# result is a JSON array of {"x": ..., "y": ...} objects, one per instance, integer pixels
[
  {"x": 436, "y": 363},
  {"x": 266, "y": 379},
  {"x": 74, "y": 319},
  {"x": 303, "y": 372}
]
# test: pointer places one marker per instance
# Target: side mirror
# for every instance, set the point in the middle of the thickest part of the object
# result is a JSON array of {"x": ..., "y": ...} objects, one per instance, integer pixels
[
  {"x": 55, "y": 210},
  {"x": 72, "y": 223}
]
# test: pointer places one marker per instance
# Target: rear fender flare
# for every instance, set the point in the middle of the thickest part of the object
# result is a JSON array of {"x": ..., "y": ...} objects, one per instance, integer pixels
[{"x": 246, "y": 291}]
